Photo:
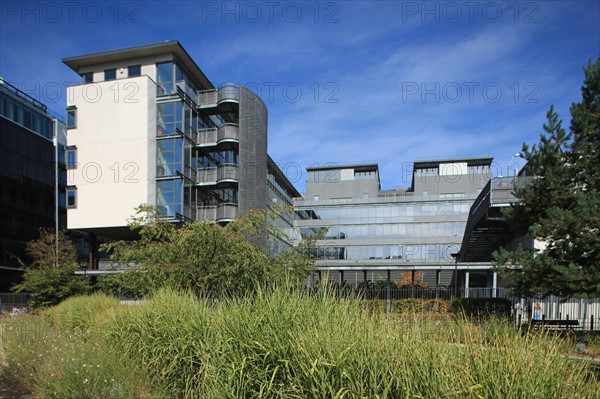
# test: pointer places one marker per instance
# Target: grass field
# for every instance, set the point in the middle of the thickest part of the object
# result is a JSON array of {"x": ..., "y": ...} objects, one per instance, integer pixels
[{"x": 281, "y": 343}]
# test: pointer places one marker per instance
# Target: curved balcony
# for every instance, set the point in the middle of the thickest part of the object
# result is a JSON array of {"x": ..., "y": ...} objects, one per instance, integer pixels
[
  {"x": 206, "y": 213},
  {"x": 226, "y": 212},
  {"x": 227, "y": 173},
  {"x": 228, "y": 92},
  {"x": 228, "y": 133}
]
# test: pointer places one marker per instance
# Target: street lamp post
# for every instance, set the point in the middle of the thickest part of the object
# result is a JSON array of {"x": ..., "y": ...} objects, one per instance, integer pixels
[{"x": 517, "y": 155}]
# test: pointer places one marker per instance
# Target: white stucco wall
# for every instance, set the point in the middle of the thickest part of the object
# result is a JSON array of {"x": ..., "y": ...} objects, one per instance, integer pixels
[{"x": 116, "y": 150}]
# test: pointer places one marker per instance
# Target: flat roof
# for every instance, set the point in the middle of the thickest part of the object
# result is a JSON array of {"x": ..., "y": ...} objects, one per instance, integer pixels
[
  {"x": 470, "y": 160},
  {"x": 168, "y": 46},
  {"x": 332, "y": 165}
]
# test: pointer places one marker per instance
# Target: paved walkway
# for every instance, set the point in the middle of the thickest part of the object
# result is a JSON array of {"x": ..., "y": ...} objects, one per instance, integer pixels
[{"x": 8, "y": 390}]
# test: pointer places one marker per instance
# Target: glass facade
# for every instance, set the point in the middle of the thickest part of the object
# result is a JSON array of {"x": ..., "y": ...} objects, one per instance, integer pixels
[
  {"x": 25, "y": 116},
  {"x": 168, "y": 197},
  {"x": 420, "y": 231},
  {"x": 170, "y": 76}
]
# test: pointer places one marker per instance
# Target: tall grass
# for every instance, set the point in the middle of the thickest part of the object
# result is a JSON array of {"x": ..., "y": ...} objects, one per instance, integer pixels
[
  {"x": 285, "y": 343},
  {"x": 56, "y": 355}
]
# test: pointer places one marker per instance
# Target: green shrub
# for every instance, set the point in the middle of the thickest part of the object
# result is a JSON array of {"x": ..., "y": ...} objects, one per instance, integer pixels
[{"x": 481, "y": 307}]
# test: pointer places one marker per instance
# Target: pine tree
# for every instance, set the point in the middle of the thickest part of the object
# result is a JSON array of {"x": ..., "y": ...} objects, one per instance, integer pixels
[{"x": 561, "y": 207}]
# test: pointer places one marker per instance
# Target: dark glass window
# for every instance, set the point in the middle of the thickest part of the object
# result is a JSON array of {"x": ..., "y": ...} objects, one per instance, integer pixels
[
  {"x": 71, "y": 118},
  {"x": 71, "y": 198},
  {"x": 27, "y": 118},
  {"x": 110, "y": 74},
  {"x": 88, "y": 77},
  {"x": 134, "y": 70},
  {"x": 71, "y": 155}
]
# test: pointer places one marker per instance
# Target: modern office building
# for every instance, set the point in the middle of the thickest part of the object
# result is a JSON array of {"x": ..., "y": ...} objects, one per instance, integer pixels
[
  {"x": 29, "y": 196},
  {"x": 373, "y": 234},
  {"x": 146, "y": 126}
]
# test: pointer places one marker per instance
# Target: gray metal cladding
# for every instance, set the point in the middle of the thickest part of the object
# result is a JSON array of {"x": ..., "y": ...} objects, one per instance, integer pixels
[{"x": 253, "y": 121}]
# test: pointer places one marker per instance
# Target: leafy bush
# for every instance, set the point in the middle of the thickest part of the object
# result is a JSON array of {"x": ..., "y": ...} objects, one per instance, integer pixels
[
  {"x": 481, "y": 307},
  {"x": 45, "y": 281},
  {"x": 204, "y": 258}
]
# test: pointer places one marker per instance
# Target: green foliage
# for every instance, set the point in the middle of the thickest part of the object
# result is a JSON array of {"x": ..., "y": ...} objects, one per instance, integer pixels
[
  {"x": 133, "y": 284},
  {"x": 481, "y": 307},
  {"x": 285, "y": 342},
  {"x": 561, "y": 207},
  {"x": 47, "y": 282},
  {"x": 54, "y": 361},
  {"x": 80, "y": 312},
  {"x": 204, "y": 258},
  {"x": 415, "y": 305},
  {"x": 169, "y": 335}
]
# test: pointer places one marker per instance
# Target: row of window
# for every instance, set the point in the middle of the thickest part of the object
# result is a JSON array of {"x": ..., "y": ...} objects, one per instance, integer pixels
[
  {"x": 170, "y": 75},
  {"x": 392, "y": 230},
  {"x": 25, "y": 116},
  {"x": 411, "y": 252},
  {"x": 387, "y": 213},
  {"x": 111, "y": 73},
  {"x": 179, "y": 115}
]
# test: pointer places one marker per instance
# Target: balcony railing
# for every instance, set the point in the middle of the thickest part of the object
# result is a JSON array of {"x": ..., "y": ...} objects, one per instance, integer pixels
[
  {"x": 217, "y": 213},
  {"x": 228, "y": 132},
  {"x": 227, "y": 92},
  {"x": 227, "y": 173},
  {"x": 210, "y": 137},
  {"x": 226, "y": 212},
  {"x": 206, "y": 176},
  {"x": 220, "y": 174}
]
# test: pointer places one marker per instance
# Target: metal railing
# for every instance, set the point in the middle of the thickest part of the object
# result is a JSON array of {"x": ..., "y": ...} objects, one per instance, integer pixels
[
  {"x": 222, "y": 173},
  {"x": 10, "y": 301},
  {"x": 213, "y": 136},
  {"x": 226, "y": 92},
  {"x": 206, "y": 176},
  {"x": 226, "y": 212},
  {"x": 206, "y": 213},
  {"x": 227, "y": 172}
]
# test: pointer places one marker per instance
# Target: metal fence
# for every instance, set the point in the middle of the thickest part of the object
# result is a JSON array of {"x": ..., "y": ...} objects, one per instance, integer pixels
[
  {"x": 585, "y": 311},
  {"x": 10, "y": 301}
]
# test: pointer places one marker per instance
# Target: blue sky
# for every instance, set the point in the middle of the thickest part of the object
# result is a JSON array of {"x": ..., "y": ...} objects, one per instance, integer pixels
[{"x": 344, "y": 81}]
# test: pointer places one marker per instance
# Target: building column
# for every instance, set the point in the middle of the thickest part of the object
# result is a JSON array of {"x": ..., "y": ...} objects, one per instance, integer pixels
[
  {"x": 93, "y": 255},
  {"x": 494, "y": 284},
  {"x": 466, "y": 284},
  {"x": 412, "y": 284},
  {"x": 341, "y": 278},
  {"x": 365, "y": 285},
  {"x": 437, "y": 282}
]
